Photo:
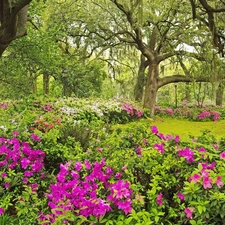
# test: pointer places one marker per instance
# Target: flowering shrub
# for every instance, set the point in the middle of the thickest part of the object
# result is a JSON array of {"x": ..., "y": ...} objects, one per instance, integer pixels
[
  {"x": 77, "y": 178},
  {"x": 111, "y": 111},
  {"x": 132, "y": 110},
  {"x": 194, "y": 113},
  {"x": 45, "y": 124},
  {"x": 89, "y": 190},
  {"x": 21, "y": 178}
]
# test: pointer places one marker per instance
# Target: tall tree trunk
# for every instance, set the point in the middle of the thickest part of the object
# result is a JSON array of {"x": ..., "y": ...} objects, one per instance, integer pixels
[
  {"x": 219, "y": 94},
  {"x": 151, "y": 87},
  {"x": 46, "y": 78},
  {"x": 33, "y": 83},
  {"x": 13, "y": 19},
  {"x": 34, "y": 86},
  {"x": 187, "y": 92},
  {"x": 140, "y": 83},
  {"x": 22, "y": 22}
]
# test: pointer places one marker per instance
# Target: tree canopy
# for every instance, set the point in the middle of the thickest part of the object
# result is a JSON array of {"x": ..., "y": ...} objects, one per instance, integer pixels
[{"x": 131, "y": 41}]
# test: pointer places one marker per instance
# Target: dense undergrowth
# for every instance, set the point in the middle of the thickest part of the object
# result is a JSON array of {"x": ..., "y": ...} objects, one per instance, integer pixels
[{"x": 77, "y": 161}]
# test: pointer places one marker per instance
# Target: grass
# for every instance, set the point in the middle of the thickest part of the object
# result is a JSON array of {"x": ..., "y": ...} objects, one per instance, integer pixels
[{"x": 184, "y": 128}]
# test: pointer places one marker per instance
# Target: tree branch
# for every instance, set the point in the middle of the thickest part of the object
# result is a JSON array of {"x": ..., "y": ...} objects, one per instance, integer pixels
[{"x": 180, "y": 78}]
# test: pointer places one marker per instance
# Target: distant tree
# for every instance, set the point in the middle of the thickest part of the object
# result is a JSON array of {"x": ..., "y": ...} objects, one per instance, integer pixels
[{"x": 212, "y": 14}]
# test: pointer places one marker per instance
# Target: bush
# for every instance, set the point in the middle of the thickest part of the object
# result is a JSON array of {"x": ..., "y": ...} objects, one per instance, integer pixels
[{"x": 57, "y": 168}]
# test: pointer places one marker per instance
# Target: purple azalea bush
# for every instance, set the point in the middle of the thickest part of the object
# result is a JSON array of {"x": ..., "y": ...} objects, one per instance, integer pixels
[{"x": 89, "y": 190}]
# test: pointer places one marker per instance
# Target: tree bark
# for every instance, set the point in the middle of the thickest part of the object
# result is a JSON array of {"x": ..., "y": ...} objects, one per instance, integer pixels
[
  {"x": 46, "y": 78},
  {"x": 154, "y": 83},
  {"x": 13, "y": 19},
  {"x": 187, "y": 92},
  {"x": 141, "y": 80},
  {"x": 151, "y": 87},
  {"x": 219, "y": 94}
]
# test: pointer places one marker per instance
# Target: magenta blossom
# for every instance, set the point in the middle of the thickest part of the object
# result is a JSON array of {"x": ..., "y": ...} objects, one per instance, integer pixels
[
  {"x": 177, "y": 139},
  {"x": 187, "y": 153},
  {"x": 189, "y": 211},
  {"x": 195, "y": 178},
  {"x": 4, "y": 174},
  {"x": 1, "y": 211},
  {"x": 154, "y": 130},
  {"x": 222, "y": 155},
  {"x": 207, "y": 182},
  {"x": 180, "y": 196},
  {"x": 35, "y": 137},
  {"x": 159, "y": 199},
  {"x": 219, "y": 182},
  {"x": 160, "y": 147},
  {"x": 6, "y": 184}
]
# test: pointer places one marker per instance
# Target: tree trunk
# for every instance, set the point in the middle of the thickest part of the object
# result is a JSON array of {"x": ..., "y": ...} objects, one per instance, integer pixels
[
  {"x": 34, "y": 86},
  {"x": 219, "y": 94},
  {"x": 139, "y": 86},
  {"x": 22, "y": 22},
  {"x": 13, "y": 19},
  {"x": 187, "y": 92},
  {"x": 46, "y": 78},
  {"x": 151, "y": 87}
]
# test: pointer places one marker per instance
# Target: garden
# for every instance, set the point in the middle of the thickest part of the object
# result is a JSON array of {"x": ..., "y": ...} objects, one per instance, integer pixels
[
  {"x": 112, "y": 112},
  {"x": 92, "y": 161}
]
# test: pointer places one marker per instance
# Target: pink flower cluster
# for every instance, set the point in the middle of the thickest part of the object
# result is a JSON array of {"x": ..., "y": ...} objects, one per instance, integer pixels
[
  {"x": 88, "y": 190},
  {"x": 4, "y": 105},
  {"x": 20, "y": 157},
  {"x": 16, "y": 155},
  {"x": 189, "y": 211},
  {"x": 168, "y": 137},
  {"x": 187, "y": 153},
  {"x": 204, "y": 178},
  {"x": 207, "y": 114},
  {"x": 163, "y": 111},
  {"x": 189, "y": 113},
  {"x": 132, "y": 110}
]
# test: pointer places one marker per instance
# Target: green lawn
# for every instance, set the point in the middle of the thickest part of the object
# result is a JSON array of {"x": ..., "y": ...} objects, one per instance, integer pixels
[{"x": 185, "y": 127}]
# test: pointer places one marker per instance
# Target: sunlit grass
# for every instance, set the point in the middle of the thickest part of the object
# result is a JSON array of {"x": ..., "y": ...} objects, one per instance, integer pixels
[{"x": 184, "y": 128}]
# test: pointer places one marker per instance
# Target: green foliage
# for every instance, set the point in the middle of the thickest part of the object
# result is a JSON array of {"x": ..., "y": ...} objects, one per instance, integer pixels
[{"x": 159, "y": 167}]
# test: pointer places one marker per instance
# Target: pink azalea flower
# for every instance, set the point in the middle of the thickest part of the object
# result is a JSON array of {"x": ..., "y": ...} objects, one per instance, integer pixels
[
  {"x": 4, "y": 174},
  {"x": 6, "y": 184},
  {"x": 180, "y": 196},
  {"x": 24, "y": 180},
  {"x": 15, "y": 134},
  {"x": 222, "y": 155},
  {"x": 78, "y": 166},
  {"x": 87, "y": 164},
  {"x": 211, "y": 166},
  {"x": 189, "y": 211},
  {"x": 118, "y": 175},
  {"x": 177, "y": 139},
  {"x": 35, "y": 137},
  {"x": 1, "y": 211},
  {"x": 154, "y": 129},
  {"x": 202, "y": 150},
  {"x": 159, "y": 199},
  {"x": 159, "y": 147},
  {"x": 161, "y": 136},
  {"x": 25, "y": 162},
  {"x": 28, "y": 173},
  {"x": 207, "y": 182},
  {"x": 219, "y": 182},
  {"x": 187, "y": 153},
  {"x": 125, "y": 206},
  {"x": 195, "y": 178}
]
